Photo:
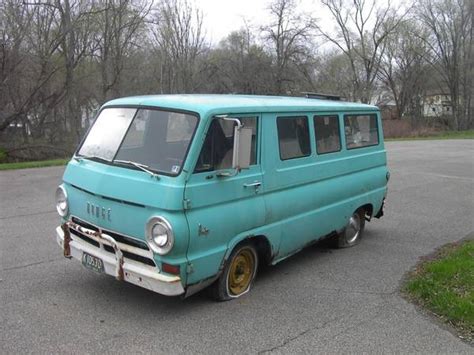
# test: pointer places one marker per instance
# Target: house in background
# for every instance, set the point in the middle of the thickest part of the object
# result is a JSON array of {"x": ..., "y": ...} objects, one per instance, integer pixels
[
  {"x": 388, "y": 110},
  {"x": 436, "y": 104}
]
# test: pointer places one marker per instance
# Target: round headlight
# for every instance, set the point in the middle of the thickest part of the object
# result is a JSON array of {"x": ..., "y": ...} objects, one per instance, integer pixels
[
  {"x": 159, "y": 235},
  {"x": 61, "y": 201}
]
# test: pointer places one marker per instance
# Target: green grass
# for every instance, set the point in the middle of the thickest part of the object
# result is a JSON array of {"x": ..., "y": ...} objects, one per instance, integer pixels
[
  {"x": 469, "y": 134},
  {"x": 33, "y": 164},
  {"x": 444, "y": 284}
]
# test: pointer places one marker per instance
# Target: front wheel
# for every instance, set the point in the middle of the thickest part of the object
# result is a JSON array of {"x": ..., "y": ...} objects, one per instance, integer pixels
[
  {"x": 352, "y": 233},
  {"x": 238, "y": 275}
]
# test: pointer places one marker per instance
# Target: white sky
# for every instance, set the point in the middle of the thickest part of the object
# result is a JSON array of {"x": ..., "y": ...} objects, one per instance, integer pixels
[{"x": 224, "y": 16}]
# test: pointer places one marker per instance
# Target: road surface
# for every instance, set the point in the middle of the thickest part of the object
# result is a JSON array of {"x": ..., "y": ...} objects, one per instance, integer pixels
[{"x": 320, "y": 300}]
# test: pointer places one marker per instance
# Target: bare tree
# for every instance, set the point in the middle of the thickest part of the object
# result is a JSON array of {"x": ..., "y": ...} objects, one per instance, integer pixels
[
  {"x": 14, "y": 21},
  {"x": 60, "y": 59},
  {"x": 180, "y": 44},
  {"x": 450, "y": 23},
  {"x": 62, "y": 32},
  {"x": 74, "y": 28},
  {"x": 334, "y": 74},
  {"x": 118, "y": 33},
  {"x": 289, "y": 36},
  {"x": 30, "y": 68},
  {"x": 240, "y": 65},
  {"x": 362, "y": 32},
  {"x": 403, "y": 69}
]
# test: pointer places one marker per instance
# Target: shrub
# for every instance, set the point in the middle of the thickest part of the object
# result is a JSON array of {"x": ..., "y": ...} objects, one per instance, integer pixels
[{"x": 3, "y": 155}]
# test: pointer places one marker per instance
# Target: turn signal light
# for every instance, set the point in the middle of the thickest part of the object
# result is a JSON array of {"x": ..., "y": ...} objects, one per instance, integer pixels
[{"x": 170, "y": 269}]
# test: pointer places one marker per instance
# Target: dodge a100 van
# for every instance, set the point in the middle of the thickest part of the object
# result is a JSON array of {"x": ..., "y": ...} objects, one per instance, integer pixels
[{"x": 175, "y": 193}]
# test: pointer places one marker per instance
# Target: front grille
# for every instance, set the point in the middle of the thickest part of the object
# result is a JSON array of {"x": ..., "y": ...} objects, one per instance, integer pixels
[
  {"x": 118, "y": 237},
  {"x": 84, "y": 237},
  {"x": 132, "y": 256},
  {"x": 84, "y": 224}
]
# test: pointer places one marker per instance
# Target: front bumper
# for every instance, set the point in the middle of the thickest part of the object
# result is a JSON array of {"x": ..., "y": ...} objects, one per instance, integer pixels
[{"x": 118, "y": 266}]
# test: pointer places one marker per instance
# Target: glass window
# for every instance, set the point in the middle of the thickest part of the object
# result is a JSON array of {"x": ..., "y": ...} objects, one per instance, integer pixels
[
  {"x": 293, "y": 137},
  {"x": 180, "y": 128},
  {"x": 360, "y": 131},
  {"x": 161, "y": 140},
  {"x": 136, "y": 133},
  {"x": 326, "y": 129},
  {"x": 154, "y": 138},
  {"x": 107, "y": 133},
  {"x": 217, "y": 150}
]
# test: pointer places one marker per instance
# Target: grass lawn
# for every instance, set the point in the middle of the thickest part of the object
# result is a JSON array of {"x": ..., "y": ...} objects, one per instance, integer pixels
[
  {"x": 444, "y": 284},
  {"x": 33, "y": 164},
  {"x": 469, "y": 134}
]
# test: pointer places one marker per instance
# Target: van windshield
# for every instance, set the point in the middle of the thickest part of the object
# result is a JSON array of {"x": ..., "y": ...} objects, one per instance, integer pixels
[{"x": 156, "y": 139}]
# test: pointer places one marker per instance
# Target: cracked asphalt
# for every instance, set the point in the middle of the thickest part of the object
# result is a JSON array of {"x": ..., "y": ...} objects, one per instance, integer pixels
[{"x": 320, "y": 300}]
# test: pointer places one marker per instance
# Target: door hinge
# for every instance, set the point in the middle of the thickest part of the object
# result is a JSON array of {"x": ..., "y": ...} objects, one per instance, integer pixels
[
  {"x": 186, "y": 203},
  {"x": 189, "y": 268}
]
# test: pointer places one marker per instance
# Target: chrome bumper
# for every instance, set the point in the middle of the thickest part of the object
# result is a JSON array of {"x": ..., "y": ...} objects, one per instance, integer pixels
[{"x": 115, "y": 265}]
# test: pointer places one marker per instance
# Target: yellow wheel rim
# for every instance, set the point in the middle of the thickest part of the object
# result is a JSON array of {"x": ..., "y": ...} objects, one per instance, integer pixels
[{"x": 241, "y": 272}]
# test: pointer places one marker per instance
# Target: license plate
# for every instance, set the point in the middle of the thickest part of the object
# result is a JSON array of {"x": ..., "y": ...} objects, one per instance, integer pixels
[{"x": 93, "y": 263}]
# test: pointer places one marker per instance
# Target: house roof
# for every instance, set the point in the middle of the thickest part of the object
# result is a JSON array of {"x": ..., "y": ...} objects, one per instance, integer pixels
[{"x": 207, "y": 105}]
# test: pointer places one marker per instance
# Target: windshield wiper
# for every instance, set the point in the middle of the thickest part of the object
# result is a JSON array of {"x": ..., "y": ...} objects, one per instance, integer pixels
[
  {"x": 142, "y": 167},
  {"x": 79, "y": 158}
]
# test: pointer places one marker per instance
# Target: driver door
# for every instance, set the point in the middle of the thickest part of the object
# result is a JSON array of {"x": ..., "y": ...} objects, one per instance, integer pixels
[{"x": 222, "y": 207}]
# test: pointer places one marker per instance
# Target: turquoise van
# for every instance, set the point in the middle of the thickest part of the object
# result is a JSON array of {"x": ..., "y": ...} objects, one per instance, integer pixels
[{"x": 175, "y": 193}]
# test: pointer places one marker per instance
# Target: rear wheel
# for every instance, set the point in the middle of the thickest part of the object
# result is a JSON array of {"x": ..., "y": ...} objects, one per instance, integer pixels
[
  {"x": 238, "y": 275},
  {"x": 353, "y": 231}
]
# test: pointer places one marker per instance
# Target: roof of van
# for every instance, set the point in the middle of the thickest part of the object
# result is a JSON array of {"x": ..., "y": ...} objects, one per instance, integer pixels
[{"x": 216, "y": 104}]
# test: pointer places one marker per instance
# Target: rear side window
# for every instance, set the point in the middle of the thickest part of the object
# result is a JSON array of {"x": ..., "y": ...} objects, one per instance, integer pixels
[
  {"x": 360, "y": 131},
  {"x": 293, "y": 137},
  {"x": 326, "y": 129}
]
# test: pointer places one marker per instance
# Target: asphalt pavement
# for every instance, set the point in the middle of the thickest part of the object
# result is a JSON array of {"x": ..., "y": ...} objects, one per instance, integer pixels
[{"x": 320, "y": 300}]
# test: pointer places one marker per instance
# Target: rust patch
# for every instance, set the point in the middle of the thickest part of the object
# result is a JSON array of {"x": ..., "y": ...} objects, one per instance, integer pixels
[
  {"x": 101, "y": 238},
  {"x": 67, "y": 240},
  {"x": 120, "y": 274}
]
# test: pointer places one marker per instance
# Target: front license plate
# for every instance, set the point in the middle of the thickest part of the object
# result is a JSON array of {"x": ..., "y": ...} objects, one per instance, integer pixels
[{"x": 93, "y": 263}]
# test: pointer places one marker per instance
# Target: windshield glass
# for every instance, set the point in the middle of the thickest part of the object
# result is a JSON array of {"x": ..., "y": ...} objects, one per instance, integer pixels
[{"x": 156, "y": 139}]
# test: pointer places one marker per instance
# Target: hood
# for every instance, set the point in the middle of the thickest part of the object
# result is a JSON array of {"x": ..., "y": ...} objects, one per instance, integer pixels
[
  {"x": 123, "y": 200},
  {"x": 129, "y": 186}
]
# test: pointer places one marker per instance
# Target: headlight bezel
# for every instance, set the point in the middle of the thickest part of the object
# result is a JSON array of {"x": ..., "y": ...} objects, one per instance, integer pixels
[
  {"x": 62, "y": 212},
  {"x": 152, "y": 222}
]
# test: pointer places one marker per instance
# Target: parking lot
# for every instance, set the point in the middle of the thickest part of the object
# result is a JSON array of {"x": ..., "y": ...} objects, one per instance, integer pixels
[{"x": 320, "y": 300}]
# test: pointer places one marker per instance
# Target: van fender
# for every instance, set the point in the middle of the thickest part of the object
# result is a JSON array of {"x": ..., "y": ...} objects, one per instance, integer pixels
[
  {"x": 271, "y": 253},
  {"x": 194, "y": 288}
]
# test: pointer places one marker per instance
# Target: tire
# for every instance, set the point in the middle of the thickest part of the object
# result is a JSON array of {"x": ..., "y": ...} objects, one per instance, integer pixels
[
  {"x": 353, "y": 231},
  {"x": 238, "y": 275}
]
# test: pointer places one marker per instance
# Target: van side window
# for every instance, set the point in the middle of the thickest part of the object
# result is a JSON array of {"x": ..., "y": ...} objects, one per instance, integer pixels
[
  {"x": 293, "y": 137},
  {"x": 217, "y": 150},
  {"x": 326, "y": 129},
  {"x": 361, "y": 131}
]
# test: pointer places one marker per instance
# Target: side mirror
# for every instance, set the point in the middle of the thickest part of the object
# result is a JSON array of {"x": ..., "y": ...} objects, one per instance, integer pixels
[{"x": 242, "y": 148}]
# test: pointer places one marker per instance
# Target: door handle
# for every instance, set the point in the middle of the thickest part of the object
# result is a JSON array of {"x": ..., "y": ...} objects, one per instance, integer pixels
[{"x": 255, "y": 184}]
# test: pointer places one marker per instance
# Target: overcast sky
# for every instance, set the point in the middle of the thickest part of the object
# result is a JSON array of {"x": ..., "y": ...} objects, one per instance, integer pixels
[{"x": 224, "y": 16}]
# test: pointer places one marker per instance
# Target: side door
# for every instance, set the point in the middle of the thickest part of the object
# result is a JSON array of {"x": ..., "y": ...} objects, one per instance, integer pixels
[
  {"x": 220, "y": 208},
  {"x": 289, "y": 190}
]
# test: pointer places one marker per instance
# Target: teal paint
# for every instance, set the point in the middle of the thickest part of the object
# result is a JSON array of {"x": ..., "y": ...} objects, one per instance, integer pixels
[{"x": 299, "y": 200}]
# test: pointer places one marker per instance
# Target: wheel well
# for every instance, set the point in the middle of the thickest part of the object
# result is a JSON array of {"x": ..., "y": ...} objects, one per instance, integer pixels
[
  {"x": 264, "y": 249},
  {"x": 369, "y": 209}
]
